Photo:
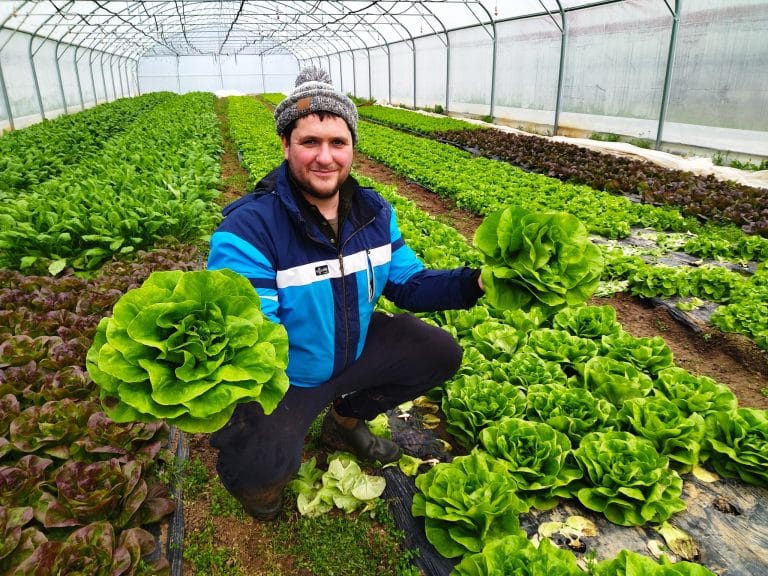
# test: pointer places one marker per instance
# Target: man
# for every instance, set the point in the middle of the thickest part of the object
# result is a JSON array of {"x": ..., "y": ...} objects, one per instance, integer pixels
[{"x": 320, "y": 251}]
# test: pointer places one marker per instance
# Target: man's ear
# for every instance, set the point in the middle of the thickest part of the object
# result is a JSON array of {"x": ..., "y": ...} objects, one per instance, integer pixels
[{"x": 286, "y": 145}]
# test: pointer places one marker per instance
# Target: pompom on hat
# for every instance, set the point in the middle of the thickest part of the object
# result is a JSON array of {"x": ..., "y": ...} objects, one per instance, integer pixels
[{"x": 313, "y": 93}]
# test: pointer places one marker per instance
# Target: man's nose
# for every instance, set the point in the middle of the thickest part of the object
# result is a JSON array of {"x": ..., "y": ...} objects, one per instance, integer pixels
[{"x": 324, "y": 153}]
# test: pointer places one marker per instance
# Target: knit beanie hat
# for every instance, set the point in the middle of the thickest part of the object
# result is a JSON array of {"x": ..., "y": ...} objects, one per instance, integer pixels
[{"x": 314, "y": 92}]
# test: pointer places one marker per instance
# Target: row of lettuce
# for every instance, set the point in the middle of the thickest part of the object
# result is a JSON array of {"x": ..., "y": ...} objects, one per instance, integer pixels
[
  {"x": 721, "y": 253},
  {"x": 78, "y": 488},
  {"x": 154, "y": 178},
  {"x": 126, "y": 184},
  {"x": 554, "y": 407},
  {"x": 706, "y": 197}
]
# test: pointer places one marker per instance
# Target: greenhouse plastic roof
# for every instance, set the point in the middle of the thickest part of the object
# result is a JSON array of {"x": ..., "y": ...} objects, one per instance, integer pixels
[{"x": 303, "y": 28}]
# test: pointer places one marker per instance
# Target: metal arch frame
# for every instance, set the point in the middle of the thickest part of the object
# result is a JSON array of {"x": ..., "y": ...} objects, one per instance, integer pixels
[
  {"x": 4, "y": 90},
  {"x": 90, "y": 38},
  {"x": 100, "y": 10},
  {"x": 389, "y": 54},
  {"x": 494, "y": 43},
  {"x": 244, "y": 26},
  {"x": 355, "y": 28},
  {"x": 84, "y": 44},
  {"x": 668, "y": 73},
  {"x": 446, "y": 43},
  {"x": 412, "y": 41},
  {"x": 32, "y": 53},
  {"x": 81, "y": 39},
  {"x": 563, "y": 27},
  {"x": 349, "y": 27},
  {"x": 280, "y": 42},
  {"x": 385, "y": 44},
  {"x": 127, "y": 15},
  {"x": 289, "y": 44}
]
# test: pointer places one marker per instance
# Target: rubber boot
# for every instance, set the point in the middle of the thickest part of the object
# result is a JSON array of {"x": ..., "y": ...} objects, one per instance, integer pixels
[
  {"x": 262, "y": 503},
  {"x": 358, "y": 439}
]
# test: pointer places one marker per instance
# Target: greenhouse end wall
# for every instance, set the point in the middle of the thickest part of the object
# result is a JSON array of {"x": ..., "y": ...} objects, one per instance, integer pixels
[{"x": 246, "y": 74}]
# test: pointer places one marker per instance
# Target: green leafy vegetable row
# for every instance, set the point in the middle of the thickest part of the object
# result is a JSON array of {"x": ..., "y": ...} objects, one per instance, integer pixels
[
  {"x": 701, "y": 196},
  {"x": 157, "y": 179},
  {"x": 531, "y": 389},
  {"x": 483, "y": 186},
  {"x": 43, "y": 151},
  {"x": 412, "y": 121}
]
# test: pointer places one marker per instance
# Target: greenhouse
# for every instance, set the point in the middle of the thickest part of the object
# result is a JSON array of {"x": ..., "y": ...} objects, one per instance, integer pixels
[{"x": 397, "y": 288}]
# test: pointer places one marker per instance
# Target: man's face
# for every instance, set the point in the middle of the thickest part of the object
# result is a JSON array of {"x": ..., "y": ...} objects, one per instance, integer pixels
[{"x": 319, "y": 154}]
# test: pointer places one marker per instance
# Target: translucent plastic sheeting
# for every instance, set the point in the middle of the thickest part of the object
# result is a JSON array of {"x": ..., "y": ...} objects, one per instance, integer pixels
[{"x": 679, "y": 73}]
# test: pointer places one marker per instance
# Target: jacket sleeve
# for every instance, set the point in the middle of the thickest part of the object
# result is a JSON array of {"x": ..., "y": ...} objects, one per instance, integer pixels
[
  {"x": 413, "y": 287},
  {"x": 228, "y": 250},
  {"x": 434, "y": 290}
]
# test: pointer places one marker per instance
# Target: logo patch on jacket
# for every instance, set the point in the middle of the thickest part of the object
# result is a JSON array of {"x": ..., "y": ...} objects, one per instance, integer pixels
[{"x": 321, "y": 270}]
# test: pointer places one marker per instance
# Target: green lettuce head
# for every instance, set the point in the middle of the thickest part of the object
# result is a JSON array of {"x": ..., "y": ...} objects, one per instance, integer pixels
[
  {"x": 739, "y": 445},
  {"x": 674, "y": 434},
  {"x": 573, "y": 411},
  {"x": 467, "y": 503},
  {"x": 627, "y": 479},
  {"x": 187, "y": 347},
  {"x": 627, "y": 562},
  {"x": 533, "y": 259},
  {"x": 538, "y": 457},
  {"x": 518, "y": 556}
]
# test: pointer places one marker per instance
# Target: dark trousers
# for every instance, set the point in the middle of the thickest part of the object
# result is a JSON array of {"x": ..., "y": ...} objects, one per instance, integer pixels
[{"x": 403, "y": 358}]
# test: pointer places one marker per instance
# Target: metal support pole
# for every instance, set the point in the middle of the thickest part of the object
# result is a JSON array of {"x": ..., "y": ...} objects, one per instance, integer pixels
[
  {"x": 112, "y": 76},
  {"x": 413, "y": 49},
  {"x": 7, "y": 102},
  {"x": 668, "y": 73},
  {"x": 493, "y": 71},
  {"x": 136, "y": 74},
  {"x": 93, "y": 78},
  {"x": 561, "y": 70},
  {"x": 35, "y": 80},
  {"x": 447, "y": 70},
  {"x": 58, "y": 75},
  {"x": 120, "y": 64},
  {"x": 341, "y": 72},
  {"x": 263, "y": 80},
  {"x": 103, "y": 76},
  {"x": 77, "y": 78},
  {"x": 370, "y": 85},
  {"x": 389, "y": 73}
]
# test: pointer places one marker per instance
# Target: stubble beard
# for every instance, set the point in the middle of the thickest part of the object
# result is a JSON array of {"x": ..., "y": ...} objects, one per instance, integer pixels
[{"x": 306, "y": 187}]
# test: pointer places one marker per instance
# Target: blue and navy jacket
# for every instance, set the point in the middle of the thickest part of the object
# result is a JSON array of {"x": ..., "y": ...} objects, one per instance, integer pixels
[{"x": 325, "y": 294}]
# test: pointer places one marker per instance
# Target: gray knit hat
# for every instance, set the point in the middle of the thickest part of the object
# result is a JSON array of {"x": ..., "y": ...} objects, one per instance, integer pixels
[{"x": 314, "y": 92}]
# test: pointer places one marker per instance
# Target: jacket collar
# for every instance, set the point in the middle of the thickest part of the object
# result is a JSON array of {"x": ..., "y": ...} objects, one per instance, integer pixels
[{"x": 361, "y": 207}]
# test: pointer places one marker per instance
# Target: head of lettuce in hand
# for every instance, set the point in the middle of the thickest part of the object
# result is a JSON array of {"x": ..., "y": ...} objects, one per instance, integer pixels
[
  {"x": 187, "y": 347},
  {"x": 537, "y": 260}
]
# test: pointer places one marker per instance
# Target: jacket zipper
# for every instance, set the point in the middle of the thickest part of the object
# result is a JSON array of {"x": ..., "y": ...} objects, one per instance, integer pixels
[{"x": 344, "y": 286}]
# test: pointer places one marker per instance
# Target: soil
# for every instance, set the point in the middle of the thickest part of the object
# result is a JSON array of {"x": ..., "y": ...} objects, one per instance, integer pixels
[{"x": 729, "y": 359}]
